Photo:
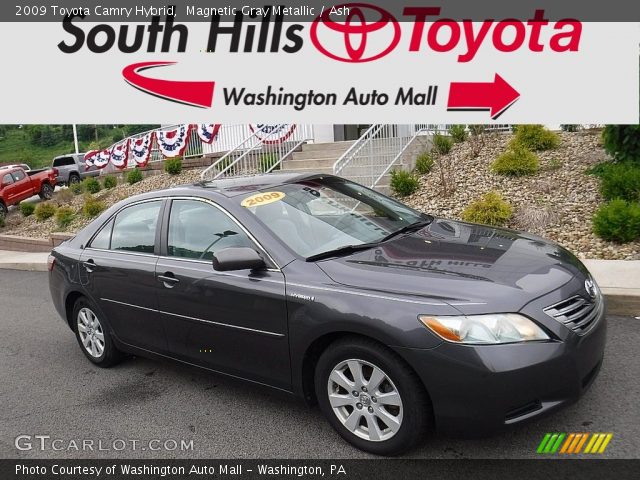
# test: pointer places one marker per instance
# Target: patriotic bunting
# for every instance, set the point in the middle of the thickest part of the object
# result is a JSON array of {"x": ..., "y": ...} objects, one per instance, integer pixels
[
  {"x": 120, "y": 154},
  {"x": 274, "y": 133},
  {"x": 89, "y": 158},
  {"x": 173, "y": 143},
  {"x": 101, "y": 159},
  {"x": 208, "y": 131},
  {"x": 140, "y": 149}
]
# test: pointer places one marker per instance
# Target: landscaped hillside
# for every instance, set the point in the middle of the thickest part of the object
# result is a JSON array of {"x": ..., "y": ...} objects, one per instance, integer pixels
[{"x": 37, "y": 145}]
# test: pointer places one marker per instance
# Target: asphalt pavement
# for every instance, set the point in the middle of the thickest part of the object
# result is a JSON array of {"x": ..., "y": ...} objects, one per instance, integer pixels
[{"x": 48, "y": 388}]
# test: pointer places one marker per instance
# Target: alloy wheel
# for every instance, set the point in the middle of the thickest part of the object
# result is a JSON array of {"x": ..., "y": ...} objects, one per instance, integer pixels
[
  {"x": 365, "y": 400},
  {"x": 90, "y": 331}
]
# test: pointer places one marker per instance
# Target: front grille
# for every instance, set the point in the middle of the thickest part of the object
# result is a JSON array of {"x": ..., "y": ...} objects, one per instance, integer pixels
[{"x": 577, "y": 313}]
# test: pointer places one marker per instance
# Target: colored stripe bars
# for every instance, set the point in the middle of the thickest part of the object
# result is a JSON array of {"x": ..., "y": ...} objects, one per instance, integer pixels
[{"x": 573, "y": 443}]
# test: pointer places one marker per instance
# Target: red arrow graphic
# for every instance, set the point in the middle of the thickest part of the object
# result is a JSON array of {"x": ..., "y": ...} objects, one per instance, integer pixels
[
  {"x": 494, "y": 96},
  {"x": 196, "y": 94}
]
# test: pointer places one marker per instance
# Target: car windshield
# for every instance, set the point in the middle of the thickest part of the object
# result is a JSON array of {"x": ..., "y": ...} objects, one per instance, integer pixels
[{"x": 326, "y": 214}]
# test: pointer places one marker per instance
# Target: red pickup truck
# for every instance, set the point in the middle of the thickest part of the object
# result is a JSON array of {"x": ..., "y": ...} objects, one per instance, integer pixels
[{"x": 17, "y": 185}]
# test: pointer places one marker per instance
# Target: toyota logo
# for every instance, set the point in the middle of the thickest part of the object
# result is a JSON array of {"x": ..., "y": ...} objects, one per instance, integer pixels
[
  {"x": 590, "y": 287},
  {"x": 363, "y": 41}
]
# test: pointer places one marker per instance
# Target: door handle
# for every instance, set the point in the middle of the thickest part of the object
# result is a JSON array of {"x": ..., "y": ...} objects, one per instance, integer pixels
[
  {"x": 89, "y": 265},
  {"x": 168, "y": 280}
]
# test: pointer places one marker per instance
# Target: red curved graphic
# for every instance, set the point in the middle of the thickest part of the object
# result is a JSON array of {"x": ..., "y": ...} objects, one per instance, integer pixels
[{"x": 194, "y": 93}]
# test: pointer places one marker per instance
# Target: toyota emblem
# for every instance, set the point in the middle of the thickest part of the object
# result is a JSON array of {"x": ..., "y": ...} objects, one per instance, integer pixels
[{"x": 590, "y": 287}]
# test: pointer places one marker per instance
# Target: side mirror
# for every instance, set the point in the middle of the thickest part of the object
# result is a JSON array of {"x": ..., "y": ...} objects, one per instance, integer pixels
[{"x": 237, "y": 258}]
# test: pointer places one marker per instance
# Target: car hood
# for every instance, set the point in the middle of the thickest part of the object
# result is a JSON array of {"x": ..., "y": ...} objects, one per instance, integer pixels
[{"x": 465, "y": 265}]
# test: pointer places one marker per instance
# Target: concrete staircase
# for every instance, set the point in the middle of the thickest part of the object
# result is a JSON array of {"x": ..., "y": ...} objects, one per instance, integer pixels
[
  {"x": 316, "y": 157},
  {"x": 320, "y": 157}
]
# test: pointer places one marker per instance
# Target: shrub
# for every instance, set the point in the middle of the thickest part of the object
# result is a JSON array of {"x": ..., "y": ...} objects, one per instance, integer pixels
[
  {"x": 44, "y": 210},
  {"x": 622, "y": 142},
  {"x": 570, "y": 128},
  {"x": 403, "y": 183},
  {"x": 109, "y": 182},
  {"x": 516, "y": 161},
  {"x": 268, "y": 160},
  {"x": 477, "y": 129},
  {"x": 64, "y": 196},
  {"x": 173, "y": 166},
  {"x": 134, "y": 176},
  {"x": 92, "y": 207},
  {"x": 458, "y": 133},
  {"x": 424, "y": 163},
  {"x": 491, "y": 209},
  {"x": 536, "y": 137},
  {"x": 27, "y": 209},
  {"x": 91, "y": 185},
  {"x": 77, "y": 188},
  {"x": 442, "y": 144},
  {"x": 64, "y": 217},
  {"x": 554, "y": 164},
  {"x": 621, "y": 180},
  {"x": 618, "y": 221}
]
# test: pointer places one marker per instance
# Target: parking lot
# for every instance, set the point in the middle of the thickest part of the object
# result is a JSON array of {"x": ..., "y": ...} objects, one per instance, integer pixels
[{"x": 47, "y": 387}]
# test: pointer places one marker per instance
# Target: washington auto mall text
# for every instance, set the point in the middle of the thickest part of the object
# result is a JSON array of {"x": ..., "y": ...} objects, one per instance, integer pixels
[{"x": 429, "y": 33}]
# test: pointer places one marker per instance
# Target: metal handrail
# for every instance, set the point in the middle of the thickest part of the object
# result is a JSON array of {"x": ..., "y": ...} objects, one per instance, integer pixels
[
  {"x": 260, "y": 152},
  {"x": 347, "y": 156}
]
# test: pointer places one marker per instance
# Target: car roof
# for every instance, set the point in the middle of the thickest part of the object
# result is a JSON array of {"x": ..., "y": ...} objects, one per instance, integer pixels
[{"x": 233, "y": 186}]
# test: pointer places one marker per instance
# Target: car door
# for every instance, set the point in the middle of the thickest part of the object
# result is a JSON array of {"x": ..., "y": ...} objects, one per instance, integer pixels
[
  {"x": 118, "y": 269},
  {"x": 22, "y": 185},
  {"x": 235, "y": 322},
  {"x": 8, "y": 188}
]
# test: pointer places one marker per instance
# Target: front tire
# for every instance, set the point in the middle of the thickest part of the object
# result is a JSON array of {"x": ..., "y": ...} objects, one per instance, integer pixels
[
  {"x": 73, "y": 178},
  {"x": 4, "y": 211},
  {"x": 46, "y": 192},
  {"x": 371, "y": 397},
  {"x": 93, "y": 335}
]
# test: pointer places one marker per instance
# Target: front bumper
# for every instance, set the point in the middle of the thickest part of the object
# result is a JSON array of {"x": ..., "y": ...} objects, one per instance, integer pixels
[{"x": 477, "y": 389}]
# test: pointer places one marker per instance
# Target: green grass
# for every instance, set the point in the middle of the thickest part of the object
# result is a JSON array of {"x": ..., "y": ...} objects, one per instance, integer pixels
[{"x": 16, "y": 148}]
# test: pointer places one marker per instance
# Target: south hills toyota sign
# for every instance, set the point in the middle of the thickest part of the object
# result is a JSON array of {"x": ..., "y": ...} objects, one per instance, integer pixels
[
  {"x": 354, "y": 63},
  {"x": 361, "y": 39}
]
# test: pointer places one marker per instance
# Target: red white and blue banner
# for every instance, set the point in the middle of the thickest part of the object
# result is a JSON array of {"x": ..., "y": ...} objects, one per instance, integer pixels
[
  {"x": 89, "y": 159},
  {"x": 272, "y": 134},
  {"x": 101, "y": 159},
  {"x": 140, "y": 149},
  {"x": 173, "y": 143},
  {"x": 120, "y": 154},
  {"x": 208, "y": 132}
]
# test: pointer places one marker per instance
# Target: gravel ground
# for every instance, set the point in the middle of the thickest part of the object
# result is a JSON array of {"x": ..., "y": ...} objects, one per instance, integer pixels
[
  {"x": 16, "y": 224},
  {"x": 557, "y": 203}
]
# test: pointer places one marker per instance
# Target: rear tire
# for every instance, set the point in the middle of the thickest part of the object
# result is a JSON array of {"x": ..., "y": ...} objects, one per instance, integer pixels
[
  {"x": 4, "y": 211},
  {"x": 46, "y": 192},
  {"x": 93, "y": 335},
  {"x": 383, "y": 408},
  {"x": 74, "y": 178}
]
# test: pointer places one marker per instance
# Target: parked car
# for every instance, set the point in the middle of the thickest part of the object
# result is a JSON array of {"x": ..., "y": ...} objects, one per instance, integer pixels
[
  {"x": 17, "y": 185},
  {"x": 23, "y": 166},
  {"x": 72, "y": 169},
  {"x": 393, "y": 321}
]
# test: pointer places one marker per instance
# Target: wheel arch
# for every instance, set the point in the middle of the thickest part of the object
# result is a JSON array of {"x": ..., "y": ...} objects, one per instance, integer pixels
[
  {"x": 69, "y": 304},
  {"x": 320, "y": 344}
]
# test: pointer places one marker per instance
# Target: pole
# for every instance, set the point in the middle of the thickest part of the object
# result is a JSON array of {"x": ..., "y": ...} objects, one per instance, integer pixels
[{"x": 75, "y": 138}]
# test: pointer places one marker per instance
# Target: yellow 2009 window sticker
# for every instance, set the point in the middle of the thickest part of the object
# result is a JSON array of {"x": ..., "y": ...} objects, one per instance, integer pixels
[{"x": 264, "y": 198}]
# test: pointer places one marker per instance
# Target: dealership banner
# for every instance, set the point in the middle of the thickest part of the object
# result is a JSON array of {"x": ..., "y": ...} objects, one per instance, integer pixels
[{"x": 362, "y": 62}]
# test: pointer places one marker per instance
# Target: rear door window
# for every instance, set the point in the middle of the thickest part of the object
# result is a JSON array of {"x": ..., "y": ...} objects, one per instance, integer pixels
[
  {"x": 134, "y": 229},
  {"x": 63, "y": 162}
]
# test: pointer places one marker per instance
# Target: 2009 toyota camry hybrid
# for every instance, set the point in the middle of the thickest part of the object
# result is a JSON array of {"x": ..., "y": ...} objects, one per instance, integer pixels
[{"x": 393, "y": 321}]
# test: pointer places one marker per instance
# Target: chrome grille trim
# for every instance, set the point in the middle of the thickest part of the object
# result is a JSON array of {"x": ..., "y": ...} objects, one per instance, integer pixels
[{"x": 577, "y": 313}]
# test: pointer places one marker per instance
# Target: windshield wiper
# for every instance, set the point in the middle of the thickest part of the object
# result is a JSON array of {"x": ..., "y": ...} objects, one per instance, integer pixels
[
  {"x": 344, "y": 250},
  {"x": 412, "y": 227}
]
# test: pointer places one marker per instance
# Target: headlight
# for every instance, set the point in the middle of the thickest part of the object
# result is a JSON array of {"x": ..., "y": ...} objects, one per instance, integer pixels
[{"x": 484, "y": 329}]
